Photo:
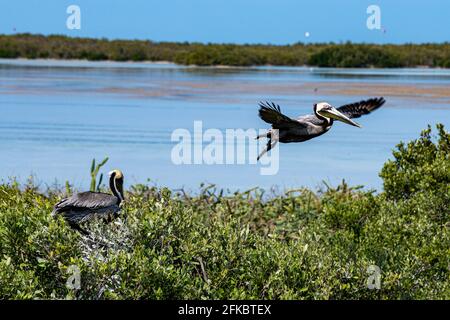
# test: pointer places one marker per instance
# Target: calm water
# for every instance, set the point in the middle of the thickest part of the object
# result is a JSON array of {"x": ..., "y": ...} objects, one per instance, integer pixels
[{"x": 56, "y": 116}]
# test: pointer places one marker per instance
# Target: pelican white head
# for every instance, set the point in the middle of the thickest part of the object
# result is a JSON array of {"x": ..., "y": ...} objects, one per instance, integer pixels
[{"x": 326, "y": 110}]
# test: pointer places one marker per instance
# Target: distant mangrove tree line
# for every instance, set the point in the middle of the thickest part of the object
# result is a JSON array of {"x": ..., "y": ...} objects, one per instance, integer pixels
[{"x": 321, "y": 54}]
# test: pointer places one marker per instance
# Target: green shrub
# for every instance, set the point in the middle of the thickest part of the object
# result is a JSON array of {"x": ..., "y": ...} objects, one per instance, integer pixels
[
  {"x": 419, "y": 166},
  {"x": 34, "y": 46},
  {"x": 246, "y": 245}
]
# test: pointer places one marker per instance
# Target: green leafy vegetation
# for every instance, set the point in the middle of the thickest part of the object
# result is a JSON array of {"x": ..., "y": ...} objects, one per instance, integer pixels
[
  {"x": 247, "y": 245},
  {"x": 299, "y": 54},
  {"x": 95, "y": 187}
]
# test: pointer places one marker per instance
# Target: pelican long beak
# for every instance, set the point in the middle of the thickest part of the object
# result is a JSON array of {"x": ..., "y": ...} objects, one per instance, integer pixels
[{"x": 335, "y": 114}]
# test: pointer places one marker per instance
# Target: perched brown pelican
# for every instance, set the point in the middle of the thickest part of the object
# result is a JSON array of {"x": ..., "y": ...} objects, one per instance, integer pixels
[
  {"x": 312, "y": 125},
  {"x": 85, "y": 206}
]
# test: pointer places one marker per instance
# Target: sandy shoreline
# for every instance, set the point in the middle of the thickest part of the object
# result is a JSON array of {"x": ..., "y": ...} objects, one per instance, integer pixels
[
  {"x": 230, "y": 91},
  {"x": 163, "y": 62}
]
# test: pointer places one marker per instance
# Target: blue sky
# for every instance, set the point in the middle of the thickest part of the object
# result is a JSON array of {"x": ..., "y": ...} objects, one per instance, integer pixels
[{"x": 234, "y": 21}]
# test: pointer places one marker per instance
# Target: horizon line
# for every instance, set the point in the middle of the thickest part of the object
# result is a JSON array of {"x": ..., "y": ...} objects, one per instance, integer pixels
[{"x": 110, "y": 39}]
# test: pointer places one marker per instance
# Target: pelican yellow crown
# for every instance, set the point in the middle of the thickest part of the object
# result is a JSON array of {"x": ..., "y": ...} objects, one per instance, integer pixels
[{"x": 118, "y": 174}]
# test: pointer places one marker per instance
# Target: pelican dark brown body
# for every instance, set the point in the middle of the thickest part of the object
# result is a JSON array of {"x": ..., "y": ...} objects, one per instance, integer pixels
[{"x": 85, "y": 206}]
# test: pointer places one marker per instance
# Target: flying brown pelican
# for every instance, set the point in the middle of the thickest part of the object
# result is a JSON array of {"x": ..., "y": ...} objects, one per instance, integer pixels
[
  {"x": 85, "y": 206},
  {"x": 312, "y": 125}
]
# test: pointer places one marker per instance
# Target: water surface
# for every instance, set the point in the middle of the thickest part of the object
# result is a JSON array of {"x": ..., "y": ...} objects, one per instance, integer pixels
[{"x": 55, "y": 116}]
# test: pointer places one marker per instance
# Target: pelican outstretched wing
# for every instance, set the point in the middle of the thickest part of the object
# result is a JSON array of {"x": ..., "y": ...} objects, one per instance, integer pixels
[
  {"x": 357, "y": 109},
  {"x": 271, "y": 113}
]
